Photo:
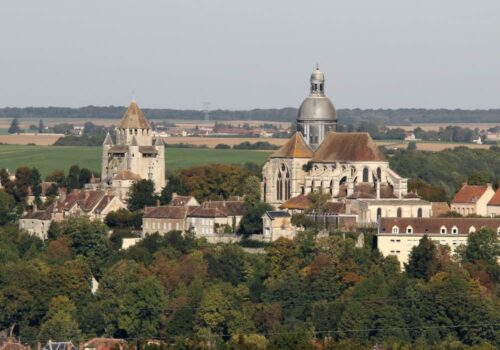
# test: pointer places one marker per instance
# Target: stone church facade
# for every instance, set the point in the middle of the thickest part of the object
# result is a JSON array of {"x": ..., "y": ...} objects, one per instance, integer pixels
[
  {"x": 134, "y": 155},
  {"x": 348, "y": 166}
]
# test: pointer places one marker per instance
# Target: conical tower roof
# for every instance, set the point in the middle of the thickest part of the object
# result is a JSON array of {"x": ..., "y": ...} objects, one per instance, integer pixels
[
  {"x": 133, "y": 118},
  {"x": 296, "y": 147}
]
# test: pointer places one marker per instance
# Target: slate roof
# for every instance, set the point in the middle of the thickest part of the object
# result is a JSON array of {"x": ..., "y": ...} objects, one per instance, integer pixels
[
  {"x": 423, "y": 226},
  {"x": 347, "y": 146},
  {"x": 469, "y": 194},
  {"x": 277, "y": 214},
  {"x": 495, "y": 200},
  {"x": 296, "y": 147},
  {"x": 133, "y": 118},
  {"x": 166, "y": 212}
]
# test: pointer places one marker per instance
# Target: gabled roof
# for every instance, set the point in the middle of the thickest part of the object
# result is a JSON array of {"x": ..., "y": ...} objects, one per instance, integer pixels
[
  {"x": 348, "y": 146},
  {"x": 166, "y": 212},
  {"x": 133, "y": 118},
  {"x": 108, "y": 140},
  {"x": 219, "y": 209},
  {"x": 495, "y": 200},
  {"x": 296, "y": 147},
  {"x": 181, "y": 201},
  {"x": 300, "y": 202},
  {"x": 469, "y": 194}
]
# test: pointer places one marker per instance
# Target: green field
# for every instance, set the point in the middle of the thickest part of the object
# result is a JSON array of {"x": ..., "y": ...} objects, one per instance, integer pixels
[{"x": 48, "y": 158}]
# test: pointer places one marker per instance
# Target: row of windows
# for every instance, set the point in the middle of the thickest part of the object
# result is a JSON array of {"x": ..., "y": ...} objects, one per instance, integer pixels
[
  {"x": 399, "y": 212},
  {"x": 159, "y": 226},
  {"x": 443, "y": 230}
]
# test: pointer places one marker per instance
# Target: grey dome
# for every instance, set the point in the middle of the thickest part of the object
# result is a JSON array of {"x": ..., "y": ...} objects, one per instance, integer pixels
[{"x": 317, "y": 108}]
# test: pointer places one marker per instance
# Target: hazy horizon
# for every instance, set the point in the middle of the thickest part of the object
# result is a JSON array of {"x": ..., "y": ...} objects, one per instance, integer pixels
[{"x": 241, "y": 56}]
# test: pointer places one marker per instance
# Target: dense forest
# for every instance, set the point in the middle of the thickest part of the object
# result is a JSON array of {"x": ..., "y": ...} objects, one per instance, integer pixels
[{"x": 346, "y": 116}]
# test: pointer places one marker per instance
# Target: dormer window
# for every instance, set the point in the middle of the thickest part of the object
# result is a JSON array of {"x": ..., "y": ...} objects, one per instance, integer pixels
[
  {"x": 395, "y": 229},
  {"x": 454, "y": 230},
  {"x": 443, "y": 230},
  {"x": 409, "y": 230}
]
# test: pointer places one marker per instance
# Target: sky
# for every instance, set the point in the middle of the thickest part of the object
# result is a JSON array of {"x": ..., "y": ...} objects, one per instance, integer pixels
[{"x": 250, "y": 54}]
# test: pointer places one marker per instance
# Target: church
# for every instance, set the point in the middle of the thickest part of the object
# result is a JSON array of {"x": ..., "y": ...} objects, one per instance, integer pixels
[
  {"x": 135, "y": 155},
  {"x": 348, "y": 166}
]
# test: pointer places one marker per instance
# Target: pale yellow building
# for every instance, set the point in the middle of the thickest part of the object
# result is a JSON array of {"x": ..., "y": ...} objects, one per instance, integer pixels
[
  {"x": 277, "y": 224},
  {"x": 472, "y": 199},
  {"x": 398, "y": 236},
  {"x": 493, "y": 207}
]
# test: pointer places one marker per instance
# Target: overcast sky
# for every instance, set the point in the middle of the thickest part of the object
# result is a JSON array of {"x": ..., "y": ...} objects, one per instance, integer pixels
[{"x": 250, "y": 54}]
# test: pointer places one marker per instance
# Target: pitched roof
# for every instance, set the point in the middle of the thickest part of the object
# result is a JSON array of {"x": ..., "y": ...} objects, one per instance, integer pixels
[
  {"x": 296, "y": 147},
  {"x": 148, "y": 149},
  {"x": 108, "y": 140},
  {"x": 347, "y": 146},
  {"x": 433, "y": 225},
  {"x": 133, "y": 118},
  {"x": 230, "y": 208},
  {"x": 277, "y": 214},
  {"x": 127, "y": 175},
  {"x": 181, "y": 200},
  {"x": 495, "y": 200},
  {"x": 469, "y": 194},
  {"x": 439, "y": 208},
  {"x": 166, "y": 212},
  {"x": 301, "y": 202},
  {"x": 40, "y": 214}
]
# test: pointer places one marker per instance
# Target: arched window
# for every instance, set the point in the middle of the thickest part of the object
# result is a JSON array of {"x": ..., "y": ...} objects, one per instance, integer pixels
[
  {"x": 283, "y": 184},
  {"x": 400, "y": 212},
  {"x": 443, "y": 230},
  {"x": 365, "y": 174},
  {"x": 331, "y": 187},
  {"x": 419, "y": 212},
  {"x": 409, "y": 230},
  {"x": 379, "y": 213},
  {"x": 287, "y": 185},
  {"x": 279, "y": 187},
  {"x": 302, "y": 190},
  {"x": 454, "y": 230},
  {"x": 395, "y": 229}
]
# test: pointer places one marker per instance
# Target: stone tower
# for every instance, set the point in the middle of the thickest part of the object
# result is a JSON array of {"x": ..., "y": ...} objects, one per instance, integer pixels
[
  {"x": 316, "y": 116},
  {"x": 135, "y": 155}
]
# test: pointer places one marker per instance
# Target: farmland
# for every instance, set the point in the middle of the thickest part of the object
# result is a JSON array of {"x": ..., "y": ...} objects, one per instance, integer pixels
[{"x": 48, "y": 158}]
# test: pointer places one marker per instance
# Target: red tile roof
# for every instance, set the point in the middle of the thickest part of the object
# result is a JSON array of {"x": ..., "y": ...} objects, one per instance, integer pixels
[
  {"x": 301, "y": 202},
  {"x": 166, "y": 212},
  {"x": 495, "y": 200},
  {"x": 469, "y": 194},
  {"x": 296, "y": 147}
]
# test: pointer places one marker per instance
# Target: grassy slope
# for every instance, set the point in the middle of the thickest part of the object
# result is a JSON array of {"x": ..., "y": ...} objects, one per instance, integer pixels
[{"x": 48, "y": 158}]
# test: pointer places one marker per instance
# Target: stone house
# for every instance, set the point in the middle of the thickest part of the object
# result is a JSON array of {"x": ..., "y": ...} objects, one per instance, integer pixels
[
  {"x": 472, "y": 199},
  {"x": 163, "y": 219},
  {"x": 93, "y": 204},
  {"x": 397, "y": 236},
  {"x": 216, "y": 217},
  {"x": 277, "y": 224}
]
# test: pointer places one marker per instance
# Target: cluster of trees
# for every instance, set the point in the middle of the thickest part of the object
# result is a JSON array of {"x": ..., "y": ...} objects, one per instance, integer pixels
[
  {"x": 379, "y": 131},
  {"x": 259, "y": 145},
  {"x": 448, "y": 169},
  {"x": 309, "y": 293},
  {"x": 400, "y": 116},
  {"x": 92, "y": 135}
]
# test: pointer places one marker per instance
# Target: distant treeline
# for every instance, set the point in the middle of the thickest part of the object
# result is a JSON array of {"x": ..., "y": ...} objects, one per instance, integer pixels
[{"x": 386, "y": 116}]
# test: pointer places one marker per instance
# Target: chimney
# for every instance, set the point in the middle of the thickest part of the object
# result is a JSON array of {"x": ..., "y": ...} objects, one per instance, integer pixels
[{"x": 157, "y": 203}]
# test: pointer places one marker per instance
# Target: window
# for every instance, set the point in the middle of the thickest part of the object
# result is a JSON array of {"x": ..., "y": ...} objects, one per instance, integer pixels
[
  {"x": 472, "y": 229},
  {"x": 395, "y": 229},
  {"x": 365, "y": 175},
  {"x": 379, "y": 174},
  {"x": 409, "y": 230},
  {"x": 379, "y": 213},
  {"x": 443, "y": 230},
  {"x": 400, "y": 212},
  {"x": 454, "y": 230},
  {"x": 419, "y": 212}
]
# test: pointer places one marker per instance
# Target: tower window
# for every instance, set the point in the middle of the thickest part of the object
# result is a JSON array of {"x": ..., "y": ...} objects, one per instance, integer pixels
[{"x": 321, "y": 87}]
